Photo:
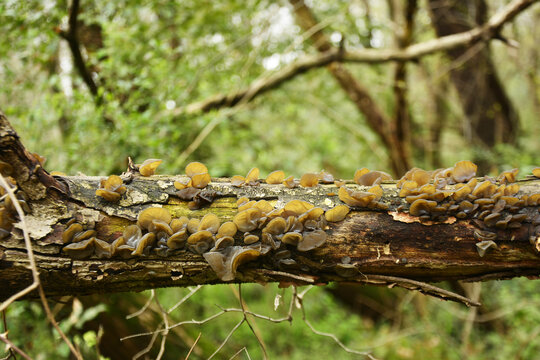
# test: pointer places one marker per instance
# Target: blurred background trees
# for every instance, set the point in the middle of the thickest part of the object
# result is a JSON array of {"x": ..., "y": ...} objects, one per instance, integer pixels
[{"x": 88, "y": 83}]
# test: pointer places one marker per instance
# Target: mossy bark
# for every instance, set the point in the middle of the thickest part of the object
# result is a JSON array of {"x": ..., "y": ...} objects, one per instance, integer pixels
[{"x": 376, "y": 242}]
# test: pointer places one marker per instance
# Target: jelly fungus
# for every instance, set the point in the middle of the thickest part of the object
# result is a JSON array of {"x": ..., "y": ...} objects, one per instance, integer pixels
[{"x": 149, "y": 166}]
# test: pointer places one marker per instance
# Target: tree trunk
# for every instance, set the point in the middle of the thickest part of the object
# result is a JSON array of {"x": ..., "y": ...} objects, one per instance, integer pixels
[
  {"x": 491, "y": 116},
  {"x": 369, "y": 246}
]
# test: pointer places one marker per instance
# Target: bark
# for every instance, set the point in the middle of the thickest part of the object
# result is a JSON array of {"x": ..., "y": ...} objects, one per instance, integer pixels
[
  {"x": 491, "y": 115},
  {"x": 385, "y": 246}
]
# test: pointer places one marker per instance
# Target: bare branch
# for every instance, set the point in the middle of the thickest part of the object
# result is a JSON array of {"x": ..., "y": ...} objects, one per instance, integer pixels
[{"x": 270, "y": 81}]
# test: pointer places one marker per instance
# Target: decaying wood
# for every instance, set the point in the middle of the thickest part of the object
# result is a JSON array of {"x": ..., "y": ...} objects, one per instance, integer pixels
[{"x": 387, "y": 247}]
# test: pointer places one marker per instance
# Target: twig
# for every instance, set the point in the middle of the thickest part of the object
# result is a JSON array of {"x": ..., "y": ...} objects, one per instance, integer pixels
[
  {"x": 4, "y": 321},
  {"x": 423, "y": 287},
  {"x": 145, "y": 306},
  {"x": 15, "y": 348},
  {"x": 239, "y": 351},
  {"x": 35, "y": 273},
  {"x": 192, "y": 291},
  {"x": 241, "y": 300},
  {"x": 150, "y": 344},
  {"x": 286, "y": 274},
  {"x": 227, "y": 338},
  {"x": 193, "y": 346},
  {"x": 166, "y": 330}
]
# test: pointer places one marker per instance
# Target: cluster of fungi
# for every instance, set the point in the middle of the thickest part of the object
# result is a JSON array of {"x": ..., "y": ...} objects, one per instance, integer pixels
[{"x": 261, "y": 227}]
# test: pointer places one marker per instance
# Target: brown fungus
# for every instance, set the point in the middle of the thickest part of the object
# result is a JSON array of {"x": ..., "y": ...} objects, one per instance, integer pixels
[
  {"x": 194, "y": 168},
  {"x": 298, "y": 207},
  {"x": 292, "y": 238},
  {"x": 131, "y": 235},
  {"x": 275, "y": 177},
  {"x": 70, "y": 232},
  {"x": 290, "y": 182},
  {"x": 337, "y": 213},
  {"x": 209, "y": 222},
  {"x": 149, "y": 166},
  {"x": 252, "y": 177},
  {"x": 84, "y": 235},
  {"x": 182, "y": 184},
  {"x": 145, "y": 217},
  {"x": 201, "y": 241},
  {"x": 227, "y": 229},
  {"x": 422, "y": 207},
  {"x": 483, "y": 246},
  {"x": 223, "y": 242},
  {"x": 147, "y": 240},
  {"x": 508, "y": 176},
  {"x": 355, "y": 198},
  {"x": 80, "y": 250},
  {"x": 102, "y": 249},
  {"x": 111, "y": 189},
  {"x": 309, "y": 180},
  {"x": 247, "y": 220},
  {"x": 276, "y": 226},
  {"x": 325, "y": 177},
  {"x": 536, "y": 172},
  {"x": 464, "y": 171},
  {"x": 312, "y": 240},
  {"x": 250, "y": 238},
  {"x": 177, "y": 240},
  {"x": 371, "y": 178},
  {"x": 179, "y": 223}
]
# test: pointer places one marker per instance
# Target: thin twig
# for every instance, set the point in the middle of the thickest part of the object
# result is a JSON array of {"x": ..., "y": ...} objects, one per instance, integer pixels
[
  {"x": 192, "y": 291},
  {"x": 286, "y": 274},
  {"x": 15, "y": 348},
  {"x": 227, "y": 338},
  {"x": 145, "y": 306},
  {"x": 241, "y": 300},
  {"x": 166, "y": 330},
  {"x": 150, "y": 344},
  {"x": 193, "y": 346},
  {"x": 35, "y": 273}
]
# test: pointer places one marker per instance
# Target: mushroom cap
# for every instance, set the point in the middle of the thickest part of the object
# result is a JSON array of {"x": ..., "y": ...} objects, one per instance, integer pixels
[
  {"x": 200, "y": 181},
  {"x": 217, "y": 262},
  {"x": 298, "y": 206},
  {"x": 108, "y": 195},
  {"x": 160, "y": 226},
  {"x": 209, "y": 222},
  {"x": 187, "y": 193},
  {"x": 179, "y": 223},
  {"x": 377, "y": 190},
  {"x": 292, "y": 238},
  {"x": 309, "y": 180},
  {"x": 238, "y": 180},
  {"x": 461, "y": 193},
  {"x": 178, "y": 239},
  {"x": 83, "y": 235},
  {"x": 290, "y": 182},
  {"x": 371, "y": 178},
  {"x": 482, "y": 246},
  {"x": 276, "y": 226},
  {"x": 193, "y": 225},
  {"x": 422, "y": 207},
  {"x": 355, "y": 198},
  {"x": 112, "y": 183},
  {"x": 312, "y": 214},
  {"x": 247, "y": 220},
  {"x": 117, "y": 243},
  {"x": 147, "y": 240},
  {"x": 194, "y": 168},
  {"x": 464, "y": 171},
  {"x": 149, "y": 166},
  {"x": 223, "y": 242},
  {"x": 182, "y": 183},
  {"x": 250, "y": 238},
  {"x": 243, "y": 256},
  {"x": 484, "y": 189},
  {"x": 132, "y": 234},
  {"x": 200, "y": 236},
  {"x": 252, "y": 176},
  {"x": 275, "y": 177},
  {"x": 80, "y": 250},
  {"x": 508, "y": 176},
  {"x": 246, "y": 205},
  {"x": 337, "y": 213},
  {"x": 325, "y": 177},
  {"x": 102, "y": 249},
  {"x": 536, "y": 172},
  {"x": 227, "y": 229},
  {"x": 145, "y": 218},
  {"x": 359, "y": 173},
  {"x": 70, "y": 232},
  {"x": 312, "y": 240}
]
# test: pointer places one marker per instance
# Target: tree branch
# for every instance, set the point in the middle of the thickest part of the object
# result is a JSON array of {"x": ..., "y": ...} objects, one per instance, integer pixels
[
  {"x": 70, "y": 35},
  {"x": 270, "y": 81},
  {"x": 375, "y": 246}
]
